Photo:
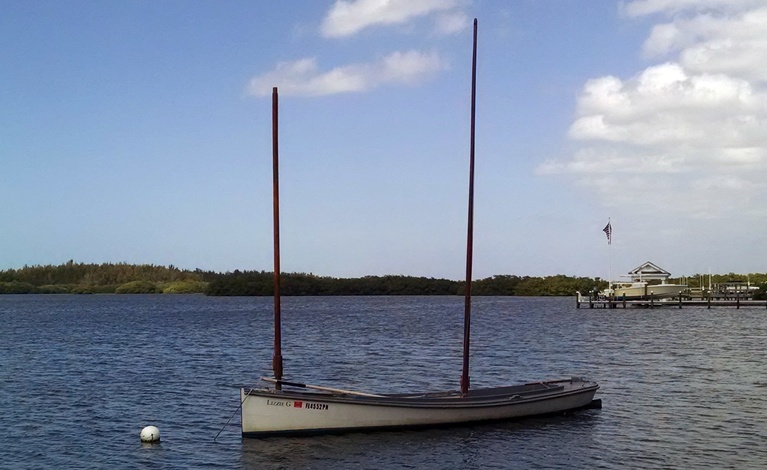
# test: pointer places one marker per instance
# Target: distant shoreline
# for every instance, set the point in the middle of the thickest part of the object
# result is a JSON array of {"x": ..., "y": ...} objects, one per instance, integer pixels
[{"x": 123, "y": 278}]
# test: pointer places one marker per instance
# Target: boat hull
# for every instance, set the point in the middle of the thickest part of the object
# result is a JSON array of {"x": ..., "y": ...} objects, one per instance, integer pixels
[
  {"x": 269, "y": 412},
  {"x": 643, "y": 292}
]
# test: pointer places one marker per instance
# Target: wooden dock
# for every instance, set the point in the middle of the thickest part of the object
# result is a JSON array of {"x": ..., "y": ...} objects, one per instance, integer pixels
[{"x": 677, "y": 302}]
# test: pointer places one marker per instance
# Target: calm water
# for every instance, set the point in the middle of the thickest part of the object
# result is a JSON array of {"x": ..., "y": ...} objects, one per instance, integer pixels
[{"x": 80, "y": 376}]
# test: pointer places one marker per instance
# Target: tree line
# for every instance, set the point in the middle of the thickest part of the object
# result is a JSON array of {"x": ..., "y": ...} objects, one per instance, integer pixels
[
  {"x": 123, "y": 278},
  {"x": 106, "y": 278},
  {"x": 82, "y": 278}
]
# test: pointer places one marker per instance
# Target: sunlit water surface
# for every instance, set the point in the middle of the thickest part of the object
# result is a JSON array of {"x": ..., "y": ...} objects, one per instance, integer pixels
[{"x": 80, "y": 376}]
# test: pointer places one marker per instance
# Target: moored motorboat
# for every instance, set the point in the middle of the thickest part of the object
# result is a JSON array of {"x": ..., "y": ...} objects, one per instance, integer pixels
[
  {"x": 643, "y": 290},
  {"x": 647, "y": 281}
]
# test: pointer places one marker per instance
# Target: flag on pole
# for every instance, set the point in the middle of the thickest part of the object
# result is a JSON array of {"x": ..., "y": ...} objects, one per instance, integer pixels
[{"x": 609, "y": 232}]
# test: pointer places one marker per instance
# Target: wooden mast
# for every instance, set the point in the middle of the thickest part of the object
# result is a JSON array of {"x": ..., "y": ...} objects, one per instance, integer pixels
[
  {"x": 277, "y": 358},
  {"x": 465, "y": 380}
]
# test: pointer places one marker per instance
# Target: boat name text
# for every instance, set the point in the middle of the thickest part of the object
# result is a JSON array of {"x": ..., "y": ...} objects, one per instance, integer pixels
[
  {"x": 298, "y": 404},
  {"x": 278, "y": 403}
]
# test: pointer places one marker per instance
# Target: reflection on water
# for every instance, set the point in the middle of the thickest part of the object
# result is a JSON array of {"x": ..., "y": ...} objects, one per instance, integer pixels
[
  {"x": 80, "y": 376},
  {"x": 482, "y": 446}
]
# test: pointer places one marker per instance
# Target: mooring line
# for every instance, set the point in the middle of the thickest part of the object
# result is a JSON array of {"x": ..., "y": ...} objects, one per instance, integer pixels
[{"x": 230, "y": 418}]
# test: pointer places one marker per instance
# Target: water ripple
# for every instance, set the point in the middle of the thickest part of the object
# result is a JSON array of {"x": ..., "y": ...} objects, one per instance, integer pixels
[{"x": 81, "y": 375}]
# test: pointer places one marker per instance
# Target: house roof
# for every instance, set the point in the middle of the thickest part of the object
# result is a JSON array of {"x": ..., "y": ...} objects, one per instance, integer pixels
[{"x": 649, "y": 270}]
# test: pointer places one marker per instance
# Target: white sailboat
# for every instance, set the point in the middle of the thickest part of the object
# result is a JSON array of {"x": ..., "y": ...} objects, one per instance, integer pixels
[{"x": 304, "y": 409}]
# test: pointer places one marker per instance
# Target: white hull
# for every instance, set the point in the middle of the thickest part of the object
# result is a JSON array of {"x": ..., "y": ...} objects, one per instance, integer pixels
[
  {"x": 642, "y": 291},
  {"x": 269, "y": 412}
]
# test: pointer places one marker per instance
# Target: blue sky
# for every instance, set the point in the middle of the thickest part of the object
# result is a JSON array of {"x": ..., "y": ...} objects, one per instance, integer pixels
[{"x": 140, "y": 132}]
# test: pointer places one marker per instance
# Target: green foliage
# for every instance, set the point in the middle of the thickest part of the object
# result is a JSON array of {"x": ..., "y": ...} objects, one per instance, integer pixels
[
  {"x": 702, "y": 280},
  {"x": 241, "y": 283},
  {"x": 105, "y": 278},
  {"x": 86, "y": 290},
  {"x": 16, "y": 287},
  {"x": 54, "y": 289},
  {"x": 536, "y": 286},
  {"x": 108, "y": 278},
  {"x": 260, "y": 283},
  {"x": 105, "y": 274},
  {"x": 762, "y": 293},
  {"x": 107, "y": 289},
  {"x": 185, "y": 287},
  {"x": 496, "y": 285},
  {"x": 137, "y": 287}
]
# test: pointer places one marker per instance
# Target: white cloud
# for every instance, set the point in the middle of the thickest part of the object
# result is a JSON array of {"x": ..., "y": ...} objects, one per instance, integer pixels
[
  {"x": 673, "y": 7},
  {"x": 687, "y": 134},
  {"x": 664, "y": 105},
  {"x": 304, "y": 77},
  {"x": 452, "y": 22},
  {"x": 606, "y": 161},
  {"x": 348, "y": 17},
  {"x": 715, "y": 44}
]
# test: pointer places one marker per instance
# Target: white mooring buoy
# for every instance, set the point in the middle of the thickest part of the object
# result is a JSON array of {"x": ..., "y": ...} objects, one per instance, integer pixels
[{"x": 150, "y": 434}]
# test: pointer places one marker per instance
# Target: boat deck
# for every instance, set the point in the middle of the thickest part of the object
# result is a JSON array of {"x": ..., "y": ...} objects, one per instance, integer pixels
[
  {"x": 476, "y": 397},
  {"x": 525, "y": 389}
]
